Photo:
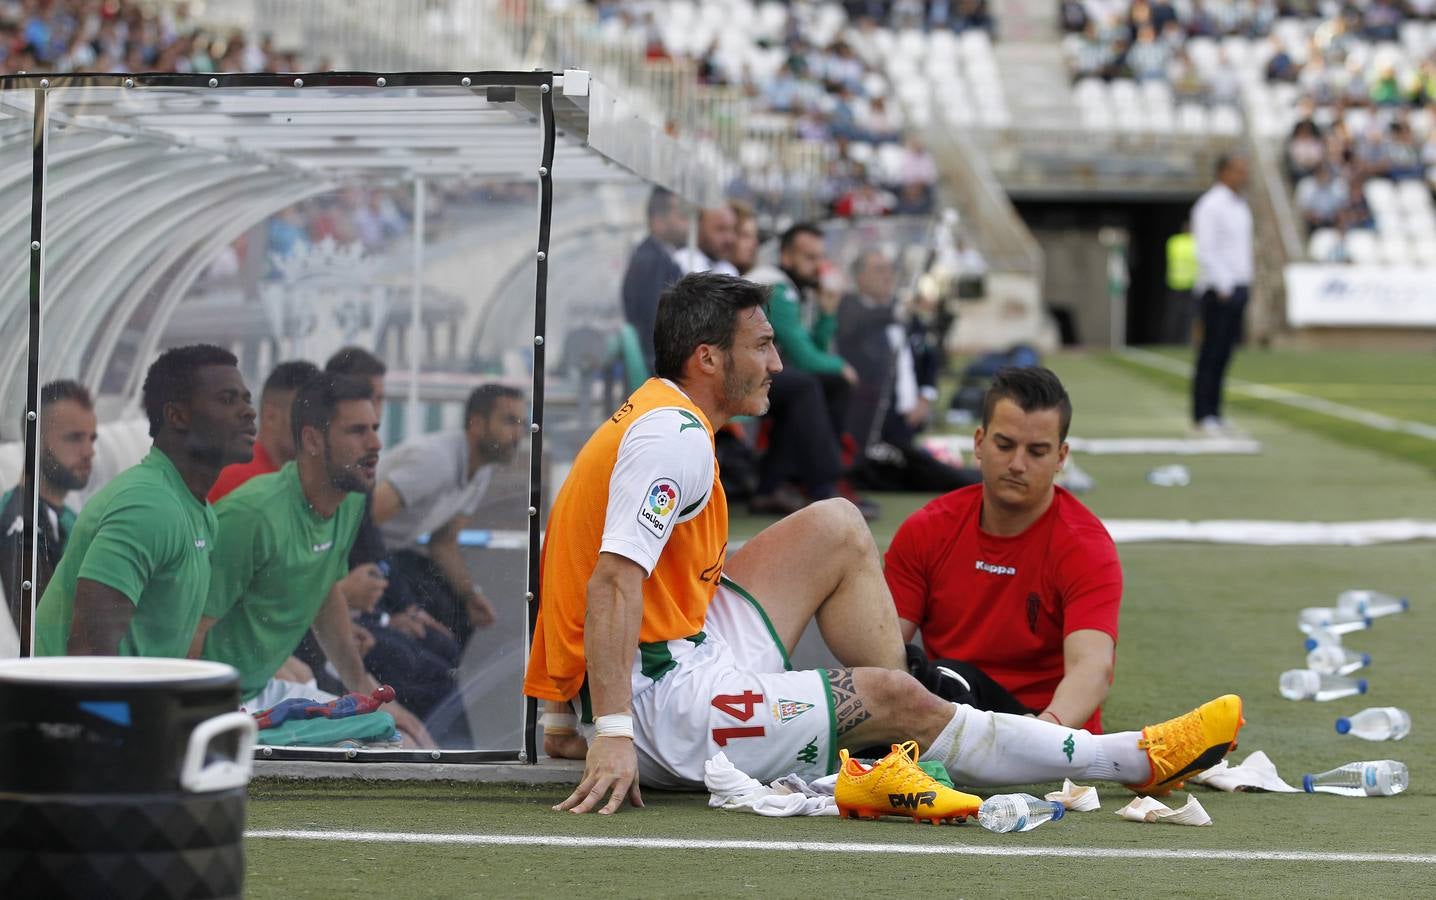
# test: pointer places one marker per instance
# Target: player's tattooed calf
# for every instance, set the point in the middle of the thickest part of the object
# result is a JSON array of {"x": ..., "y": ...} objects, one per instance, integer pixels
[{"x": 848, "y": 709}]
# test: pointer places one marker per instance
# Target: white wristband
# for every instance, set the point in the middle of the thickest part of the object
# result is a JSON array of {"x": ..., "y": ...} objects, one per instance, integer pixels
[
  {"x": 564, "y": 723},
  {"x": 616, "y": 725}
]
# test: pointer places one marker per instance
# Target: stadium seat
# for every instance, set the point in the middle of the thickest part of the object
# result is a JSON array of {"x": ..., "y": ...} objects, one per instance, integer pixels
[
  {"x": 1323, "y": 242},
  {"x": 1363, "y": 247},
  {"x": 1192, "y": 118},
  {"x": 1225, "y": 120},
  {"x": 1395, "y": 250}
]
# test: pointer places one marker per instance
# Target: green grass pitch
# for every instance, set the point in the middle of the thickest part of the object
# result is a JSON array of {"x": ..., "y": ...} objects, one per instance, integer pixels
[{"x": 1197, "y": 621}]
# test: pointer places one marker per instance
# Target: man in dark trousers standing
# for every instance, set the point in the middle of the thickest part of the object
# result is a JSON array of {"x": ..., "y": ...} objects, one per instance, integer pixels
[
  {"x": 652, "y": 268},
  {"x": 1222, "y": 225}
]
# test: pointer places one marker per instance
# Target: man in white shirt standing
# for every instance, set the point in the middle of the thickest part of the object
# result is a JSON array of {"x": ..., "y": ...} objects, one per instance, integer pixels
[{"x": 1222, "y": 226}]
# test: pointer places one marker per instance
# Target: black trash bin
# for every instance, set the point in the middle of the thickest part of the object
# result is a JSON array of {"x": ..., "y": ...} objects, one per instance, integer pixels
[{"x": 122, "y": 777}]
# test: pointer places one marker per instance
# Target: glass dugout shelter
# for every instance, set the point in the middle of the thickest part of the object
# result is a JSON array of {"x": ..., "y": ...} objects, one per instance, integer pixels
[{"x": 467, "y": 228}]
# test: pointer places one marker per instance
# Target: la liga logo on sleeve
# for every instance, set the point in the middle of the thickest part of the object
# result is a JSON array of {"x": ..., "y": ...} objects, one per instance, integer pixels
[{"x": 656, "y": 512}]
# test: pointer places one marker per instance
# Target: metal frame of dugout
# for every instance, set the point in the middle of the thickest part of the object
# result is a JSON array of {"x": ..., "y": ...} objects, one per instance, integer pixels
[{"x": 587, "y": 135}]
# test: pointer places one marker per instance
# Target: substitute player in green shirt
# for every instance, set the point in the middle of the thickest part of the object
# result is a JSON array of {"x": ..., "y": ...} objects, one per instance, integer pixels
[
  {"x": 284, "y": 542},
  {"x": 136, "y": 569}
]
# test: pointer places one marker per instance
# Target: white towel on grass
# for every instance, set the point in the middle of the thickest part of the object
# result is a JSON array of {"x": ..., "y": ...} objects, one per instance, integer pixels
[
  {"x": 1256, "y": 773},
  {"x": 731, "y": 788}
]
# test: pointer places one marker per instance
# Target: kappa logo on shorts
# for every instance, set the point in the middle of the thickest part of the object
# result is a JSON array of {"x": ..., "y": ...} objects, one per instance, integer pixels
[
  {"x": 787, "y": 710},
  {"x": 320, "y": 548},
  {"x": 656, "y": 511},
  {"x": 809, "y": 754}
]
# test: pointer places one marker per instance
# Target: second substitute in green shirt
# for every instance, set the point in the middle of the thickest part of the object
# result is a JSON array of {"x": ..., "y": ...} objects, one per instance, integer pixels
[
  {"x": 136, "y": 569},
  {"x": 284, "y": 541}
]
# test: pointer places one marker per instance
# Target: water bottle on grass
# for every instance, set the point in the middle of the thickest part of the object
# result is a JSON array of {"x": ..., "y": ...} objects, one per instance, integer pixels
[
  {"x": 1331, "y": 660},
  {"x": 1335, "y": 621},
  {"x": 1378, "y": 778},
  {"x": 1379, "y": 723},
  {"x": 1372, "y": 604},
  {"x": 1017, "y": 812},
  {"x": 1304, "y": 684}
]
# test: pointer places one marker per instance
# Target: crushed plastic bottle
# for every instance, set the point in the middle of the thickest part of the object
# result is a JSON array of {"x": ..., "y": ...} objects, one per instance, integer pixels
[
  {"x": 1377, "y": 723},
  {"x": 1333, "y": 620},
  {"x": 1372, "y": 604},
  {"x": 1304, "y": 684},
  {"x": 1326, "y": 659},
  {"x": 1377, "y": 778},
  {"x": 1017, "y": 812}
]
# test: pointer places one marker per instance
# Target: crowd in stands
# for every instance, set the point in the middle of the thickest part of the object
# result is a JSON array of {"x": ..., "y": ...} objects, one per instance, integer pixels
[
  {"x": 127, "y": 36},
  {"x": 827, "y": 83}
]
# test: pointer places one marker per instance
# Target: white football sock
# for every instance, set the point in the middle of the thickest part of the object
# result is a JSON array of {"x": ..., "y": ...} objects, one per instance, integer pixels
[{"x": 984, "y": 748}]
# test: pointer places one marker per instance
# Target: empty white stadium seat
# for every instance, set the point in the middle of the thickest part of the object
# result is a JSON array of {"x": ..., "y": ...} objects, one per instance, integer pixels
[
  {"x": 1363, "y": 246},
  {"x": 1323, "y": 242}
]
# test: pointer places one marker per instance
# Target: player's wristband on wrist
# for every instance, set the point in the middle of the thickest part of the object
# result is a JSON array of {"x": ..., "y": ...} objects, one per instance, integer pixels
[
  {"x": 1048, "y": 712},
  {"x": 615, "y": 725},
  {"x": 559, "y": 723}
]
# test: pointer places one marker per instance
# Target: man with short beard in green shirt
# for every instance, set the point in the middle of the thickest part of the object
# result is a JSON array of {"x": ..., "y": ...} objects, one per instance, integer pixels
[
  {"x": 284, "y": 541},
  {"x": 136, "y": 569}
]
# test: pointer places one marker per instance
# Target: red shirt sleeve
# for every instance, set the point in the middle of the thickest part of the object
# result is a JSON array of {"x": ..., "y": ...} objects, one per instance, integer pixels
[
  {"x": 906, "y": 571},
  {"x": 230, "y": 477},
  {"x": 1089, "y": 579}
]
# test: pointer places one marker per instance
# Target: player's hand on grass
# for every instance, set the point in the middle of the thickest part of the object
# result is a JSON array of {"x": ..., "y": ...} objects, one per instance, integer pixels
[
  {"x": 481, "y": 611},
  {"x": 610, "y": 771},
  {"x": 415, "y": 734}
]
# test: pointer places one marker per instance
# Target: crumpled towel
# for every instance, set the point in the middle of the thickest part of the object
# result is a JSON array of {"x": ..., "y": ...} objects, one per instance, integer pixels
[
  {"x": 1076, "y": 797},
  {"x": 730, "y": 788},
  {"x": 826, "y": 786},
  {"x": 1150, "y": 809},
  {"x": 1256, "y": 773}
]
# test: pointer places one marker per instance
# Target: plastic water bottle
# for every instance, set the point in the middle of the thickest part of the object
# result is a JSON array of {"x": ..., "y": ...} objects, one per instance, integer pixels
[
  {"x": 1320, "y": 637},
  {"x": 1175, "y": 475},
  {"x": 1328, "y": 660},
  {"x": 1304, "y": 684},
  {"x": 1378, "y": 778},
  {"x": 1372, "y": 604},
  {"x": 1017, "y": 812},
  {"x": 1378, "y": 723},
  {"x": 1333, "y": 620}
]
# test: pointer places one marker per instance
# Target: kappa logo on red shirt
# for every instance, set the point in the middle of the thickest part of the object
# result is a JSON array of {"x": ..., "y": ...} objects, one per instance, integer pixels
[{"x": 990, "y": 569}]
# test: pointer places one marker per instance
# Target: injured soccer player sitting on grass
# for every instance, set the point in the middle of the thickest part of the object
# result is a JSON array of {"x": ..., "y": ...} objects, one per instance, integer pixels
[{"x": 668, "y": 650}]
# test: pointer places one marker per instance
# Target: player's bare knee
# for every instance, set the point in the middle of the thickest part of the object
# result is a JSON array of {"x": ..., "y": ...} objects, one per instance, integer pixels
[{"x": 844, "y": 521}]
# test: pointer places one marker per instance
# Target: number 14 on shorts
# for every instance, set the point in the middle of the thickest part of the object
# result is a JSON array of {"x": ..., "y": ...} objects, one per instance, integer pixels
[{"x": 741, "y": 707}]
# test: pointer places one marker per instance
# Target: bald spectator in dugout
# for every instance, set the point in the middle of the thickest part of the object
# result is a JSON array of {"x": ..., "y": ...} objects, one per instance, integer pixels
[{"x": 717, "y": 235}]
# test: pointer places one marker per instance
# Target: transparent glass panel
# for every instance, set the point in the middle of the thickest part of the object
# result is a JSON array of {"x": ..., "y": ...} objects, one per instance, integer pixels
[
  {"x": 286, "y": 226},
  {"x": 16, "y": 145}
]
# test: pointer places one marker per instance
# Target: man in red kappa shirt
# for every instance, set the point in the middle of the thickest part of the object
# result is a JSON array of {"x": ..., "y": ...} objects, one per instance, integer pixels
[{"x": 1014, "y": 581}]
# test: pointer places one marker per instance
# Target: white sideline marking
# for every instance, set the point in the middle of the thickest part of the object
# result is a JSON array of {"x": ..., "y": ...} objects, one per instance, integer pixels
[
  {"x": 540, "y": 840},
  {"x": 1293, "y": 398}
]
